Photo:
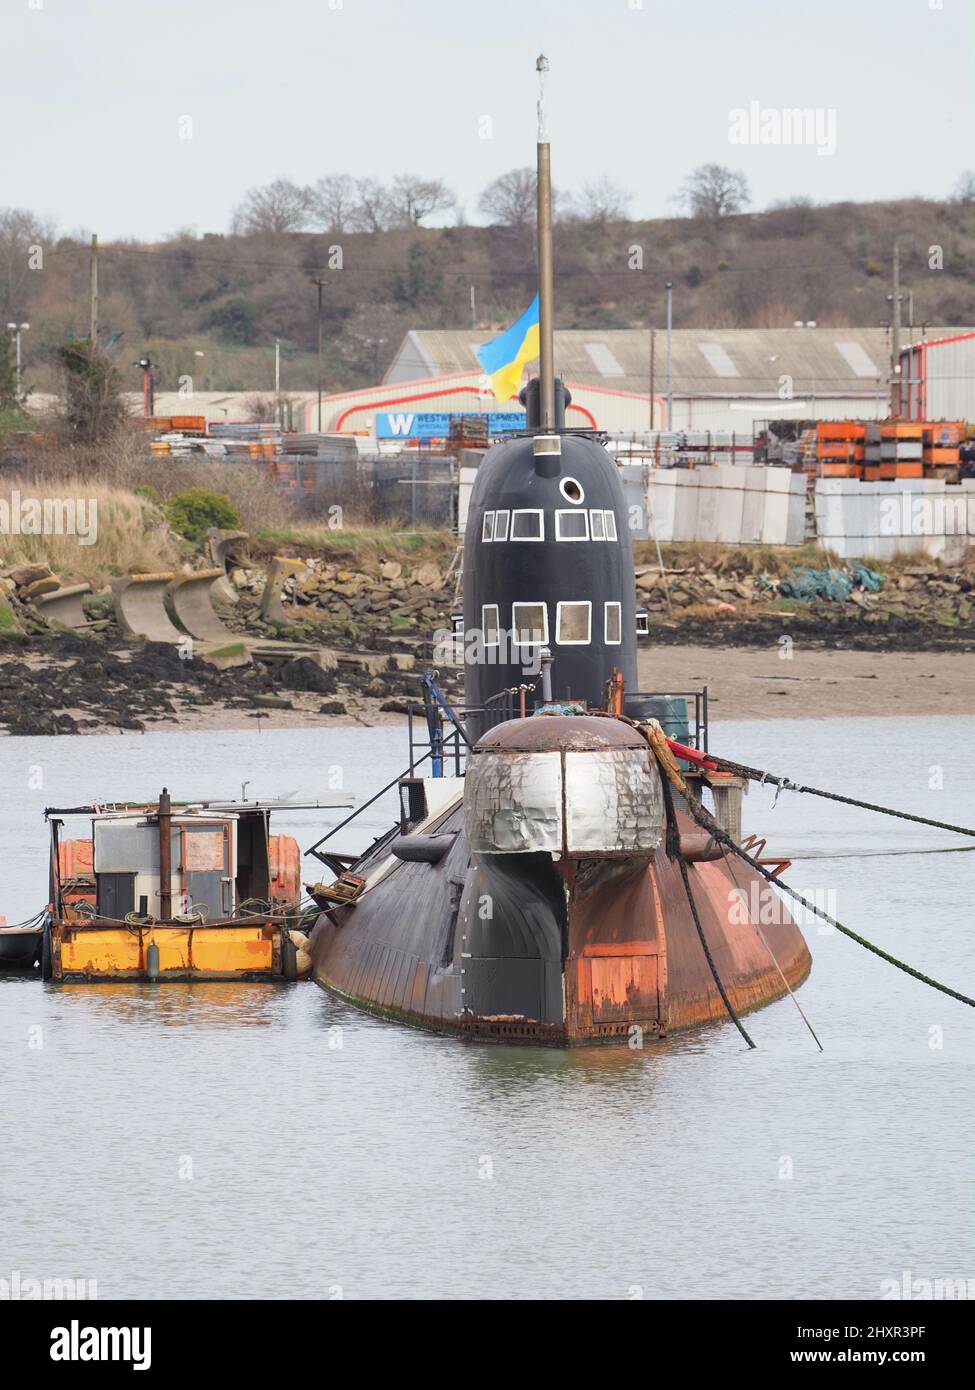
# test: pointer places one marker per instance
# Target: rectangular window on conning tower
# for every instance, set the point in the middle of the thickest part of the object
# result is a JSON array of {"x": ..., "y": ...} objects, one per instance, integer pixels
[
  {"x": 487, "y": 527},
  {"x": 613, "y": 624},
  {"x": 572, "y": 525},
  {"x": 529, "y": 622},
  {"x": 573, "y": 624},
  {"x": 527, "y": 526},
  {"x": 490, "y": 624},
  {"x": 611, "y": 526},
  {"x": 501, "y": 525},
  {"x": 597, "y": 521}
]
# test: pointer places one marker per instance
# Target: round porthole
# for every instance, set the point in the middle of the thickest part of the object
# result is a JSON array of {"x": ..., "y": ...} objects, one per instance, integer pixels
[{"x": 572, "y": 491}]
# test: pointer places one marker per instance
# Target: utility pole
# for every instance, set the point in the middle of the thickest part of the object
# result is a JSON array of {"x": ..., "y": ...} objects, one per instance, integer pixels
[
  {"x": 277, "y": 381},
  {"x": 546, "y": 349},
  {"x": 895, "y": 331},
  {"x": 148, "y": 387},
  {"x": 93, "y": 296},
  {"x": 319, "y": 283},
  {"x": 895, "y": 316},
  {"x": 653, "y": 353},
  {"x": 670, "y": 354},
  {"x": 473, "y": 310}
]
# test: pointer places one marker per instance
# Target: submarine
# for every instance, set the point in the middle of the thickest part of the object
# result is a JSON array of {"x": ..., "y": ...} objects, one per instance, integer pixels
[{"x": 543, "y": 883}]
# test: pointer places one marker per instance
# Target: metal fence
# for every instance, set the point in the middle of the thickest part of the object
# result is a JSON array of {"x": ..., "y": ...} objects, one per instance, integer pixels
[{"x": 417, "y": 490}]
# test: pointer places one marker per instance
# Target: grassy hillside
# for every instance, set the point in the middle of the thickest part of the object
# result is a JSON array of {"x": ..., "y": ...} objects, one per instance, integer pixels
[{"x": 229, "y": 297}]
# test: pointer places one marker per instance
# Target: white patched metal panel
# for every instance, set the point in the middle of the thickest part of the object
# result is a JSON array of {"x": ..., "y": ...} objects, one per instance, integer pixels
[
  {"x": 613, "y": 800},
  {"x": 513, "y": 803}
]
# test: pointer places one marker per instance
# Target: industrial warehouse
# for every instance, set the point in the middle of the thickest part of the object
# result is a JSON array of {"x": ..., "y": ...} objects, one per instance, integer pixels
[{"x": 773, "y": 437}]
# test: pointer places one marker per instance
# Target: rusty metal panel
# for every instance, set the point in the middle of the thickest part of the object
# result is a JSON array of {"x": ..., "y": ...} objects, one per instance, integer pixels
[
  {"x": 204, "y": 851},
  {"x": 622, "y": 987}
]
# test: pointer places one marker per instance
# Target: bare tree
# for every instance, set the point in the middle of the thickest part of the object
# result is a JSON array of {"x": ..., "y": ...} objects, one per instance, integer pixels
[
  {"x": 965, "y": 188},
  {"x": 333, "y": 201},
  {"x": 510, "y": 200},
  {"x": 19, "y": 231},
  {"x": 280, "y": 206},
  {"x": 603, "y": 200},
  {"x": 371, "y": 210},
  {"x": 711, "y": 192},
  {"x": 412, "y": 199}
]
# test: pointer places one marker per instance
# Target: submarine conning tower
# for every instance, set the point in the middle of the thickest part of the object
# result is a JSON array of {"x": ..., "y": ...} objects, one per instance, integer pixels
[{"x": 548, "y": 564}]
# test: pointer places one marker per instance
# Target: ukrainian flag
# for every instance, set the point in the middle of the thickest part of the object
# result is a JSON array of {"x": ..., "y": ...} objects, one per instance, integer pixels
[{"x": 504, "y": 357}]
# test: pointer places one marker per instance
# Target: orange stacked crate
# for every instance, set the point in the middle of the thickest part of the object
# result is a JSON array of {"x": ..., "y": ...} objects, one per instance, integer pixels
[
  {"x": 839, "y": 448},
  {"x": 871, "y": 451},
  {"x": 942, "y": 444},
  {"x": 900, "y": 450}
]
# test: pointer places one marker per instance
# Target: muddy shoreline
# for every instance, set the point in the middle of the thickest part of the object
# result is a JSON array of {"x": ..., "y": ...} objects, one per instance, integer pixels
[{"x": 67, "y": 685}]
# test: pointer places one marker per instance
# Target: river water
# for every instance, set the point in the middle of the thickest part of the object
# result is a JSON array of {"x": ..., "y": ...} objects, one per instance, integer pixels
[{"x": 268, "y": 1141}]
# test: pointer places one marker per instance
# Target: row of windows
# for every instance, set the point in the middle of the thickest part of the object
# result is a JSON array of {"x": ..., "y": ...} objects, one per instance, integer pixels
[
  {"x": 529, "y": 525},
  {"x": 573, "y": 624}
]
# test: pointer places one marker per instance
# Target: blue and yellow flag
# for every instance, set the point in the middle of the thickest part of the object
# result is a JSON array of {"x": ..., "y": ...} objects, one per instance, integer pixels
[{"x": 504, "y": 357}]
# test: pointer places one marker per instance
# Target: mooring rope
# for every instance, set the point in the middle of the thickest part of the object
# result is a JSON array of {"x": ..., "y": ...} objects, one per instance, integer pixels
[
  {"x": 763, "y": 939},
  {"x": 668, "y": 763},
  {"x": 783, "y": 784},
  {"x": 673, "y": 850}
]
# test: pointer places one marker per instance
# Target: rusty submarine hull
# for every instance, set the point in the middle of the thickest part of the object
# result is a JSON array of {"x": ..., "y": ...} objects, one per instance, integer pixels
[
  {"x": 538, "y": 902},
  {"x": 558, "y": 891}
]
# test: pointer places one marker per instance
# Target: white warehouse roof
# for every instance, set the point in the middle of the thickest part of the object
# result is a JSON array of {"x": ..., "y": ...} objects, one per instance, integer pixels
[{"x": 707, "y": 362}]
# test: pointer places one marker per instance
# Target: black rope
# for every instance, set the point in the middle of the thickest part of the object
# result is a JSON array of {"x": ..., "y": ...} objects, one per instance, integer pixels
[
  {"x": 673, "y": 850},
  {"x": 707, "y": 821},
  {"x": 755, "y": 774}
]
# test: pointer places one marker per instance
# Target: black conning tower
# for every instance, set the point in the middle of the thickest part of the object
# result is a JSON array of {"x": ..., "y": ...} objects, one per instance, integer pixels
[{"x": 548, "y": 562}]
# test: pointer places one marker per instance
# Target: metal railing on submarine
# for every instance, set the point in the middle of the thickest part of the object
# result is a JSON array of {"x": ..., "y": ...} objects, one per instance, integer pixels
[{"x": 448, "y": 744}]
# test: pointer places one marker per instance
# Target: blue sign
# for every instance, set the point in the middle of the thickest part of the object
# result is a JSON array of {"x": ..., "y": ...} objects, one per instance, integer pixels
[{"x": 431, "y": 424}]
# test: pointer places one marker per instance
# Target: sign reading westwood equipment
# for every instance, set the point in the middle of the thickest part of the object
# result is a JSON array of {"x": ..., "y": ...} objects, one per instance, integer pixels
[{"x": 430, "y": 424}]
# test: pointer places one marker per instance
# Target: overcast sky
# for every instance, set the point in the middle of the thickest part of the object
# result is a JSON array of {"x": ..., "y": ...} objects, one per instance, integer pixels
[{"x": 95, "y": 92}]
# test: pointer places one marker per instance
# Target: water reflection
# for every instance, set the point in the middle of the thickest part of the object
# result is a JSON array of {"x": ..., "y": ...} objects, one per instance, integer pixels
[{"x": 196, "y": 1005}]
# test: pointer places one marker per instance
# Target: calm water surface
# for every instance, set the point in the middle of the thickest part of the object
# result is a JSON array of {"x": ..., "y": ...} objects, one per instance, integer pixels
[{"x": 214, "y": 1141}]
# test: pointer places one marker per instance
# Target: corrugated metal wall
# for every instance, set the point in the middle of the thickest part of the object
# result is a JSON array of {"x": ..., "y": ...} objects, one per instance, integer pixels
[
  {"x": 937, "y": 380},
  {"x": 950, "y": 380}
]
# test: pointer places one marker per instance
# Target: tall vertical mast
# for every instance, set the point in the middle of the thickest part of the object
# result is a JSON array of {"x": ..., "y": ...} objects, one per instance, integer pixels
[{"x": 546, "y": 347}]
